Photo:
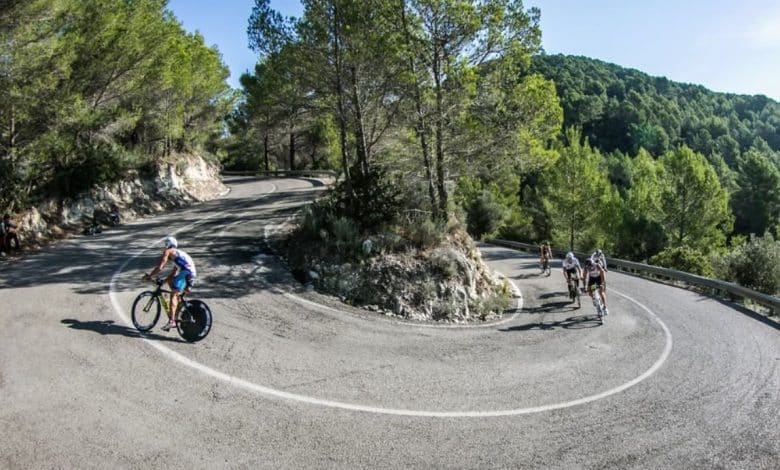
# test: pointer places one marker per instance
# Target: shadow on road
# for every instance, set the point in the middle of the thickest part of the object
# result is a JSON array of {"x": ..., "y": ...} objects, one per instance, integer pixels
[
  {"x": 572, "y": 323},
  {"x": 108, "y": 327}
]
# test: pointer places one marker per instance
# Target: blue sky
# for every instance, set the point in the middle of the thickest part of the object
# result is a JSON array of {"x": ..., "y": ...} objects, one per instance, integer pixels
[{"x": 724, "y": 45}]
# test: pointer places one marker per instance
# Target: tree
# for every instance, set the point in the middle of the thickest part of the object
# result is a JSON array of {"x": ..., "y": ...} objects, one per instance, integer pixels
[
  {"x": 756, "y": 203},
  {"x": 693, "y": 203},
  {"x": 642, "y": 234},
  {"x": 577, "y": 195}
]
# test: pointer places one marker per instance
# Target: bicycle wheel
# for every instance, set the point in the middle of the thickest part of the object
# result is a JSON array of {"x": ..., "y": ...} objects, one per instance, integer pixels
[
  {"x": 146, "y": 311},
  {"x": 194, "y": 322}
]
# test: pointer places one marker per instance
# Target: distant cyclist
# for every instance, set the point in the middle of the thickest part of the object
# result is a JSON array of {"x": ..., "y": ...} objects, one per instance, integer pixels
[
  {"x": 571, "y": 267},
  {"x": 180, "y": 279},
  {"x": 595, "y": 275},
  {"x": 598, "y": 257},
  {"x": 545, "y": 253}
]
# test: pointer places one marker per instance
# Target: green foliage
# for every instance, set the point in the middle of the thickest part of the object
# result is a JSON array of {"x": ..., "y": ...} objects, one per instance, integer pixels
[
  {"x": 424, "y": 232},
  {"x": 577, "y": 195},
  {"x": 372, "y": 199},
  {"x": 484, "y": 214},
  {"x": 693, "y": 203},
  {"x": 516, "y": 226},
  {"x": 346, "y": 236},
  {"x": 756, "y": 203},
  {"x": 684, "y": 259},
  {"x": 624, "y": 109},
  {"x": 755, "y": 264},
  {"x": 90, "y": 90}
]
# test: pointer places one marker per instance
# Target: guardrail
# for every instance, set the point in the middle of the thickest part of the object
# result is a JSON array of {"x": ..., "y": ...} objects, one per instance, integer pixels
[
  {"x": 305, "y": 173},
  {"x": 717, "y": 287}
]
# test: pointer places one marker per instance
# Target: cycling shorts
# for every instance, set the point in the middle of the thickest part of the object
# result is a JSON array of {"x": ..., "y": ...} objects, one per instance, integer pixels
[
  {"x": 595, "y": 281},
  {"x": 181, "y": 280},
  {"x": 571, "y": 272}
]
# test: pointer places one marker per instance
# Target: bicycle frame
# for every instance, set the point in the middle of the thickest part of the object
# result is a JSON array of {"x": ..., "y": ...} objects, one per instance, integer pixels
[{"x": 161, "y": 294}]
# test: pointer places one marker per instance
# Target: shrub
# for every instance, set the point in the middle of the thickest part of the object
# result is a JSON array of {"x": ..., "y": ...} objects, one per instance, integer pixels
[
  {"x": 755, "y": 264},
  {"x": 376, "y": 201},
  {"x": 426, "y": 233},
  {"x": 484, "y": 214},
  {"x": 346, "y": 236},
  {"x": 684, "y": 259}
]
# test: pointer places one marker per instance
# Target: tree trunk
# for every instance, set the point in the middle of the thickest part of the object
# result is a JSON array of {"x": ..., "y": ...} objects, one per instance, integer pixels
[
  {"x": 360, "y": 134},
  {"x": 421, "y": 129},
  {"x": 340, "y": 101},
  {"x": 265, "y": 151},
  {"x": 439, "y": 132},
  {"x": 292, "y": 150}
]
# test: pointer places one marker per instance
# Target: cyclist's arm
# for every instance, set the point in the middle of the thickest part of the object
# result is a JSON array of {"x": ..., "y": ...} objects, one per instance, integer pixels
[{"x": 161, "y": 266}]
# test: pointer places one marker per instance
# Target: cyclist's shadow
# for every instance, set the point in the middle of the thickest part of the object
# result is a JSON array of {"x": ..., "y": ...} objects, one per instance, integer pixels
[{"x": 108, "y": 327}]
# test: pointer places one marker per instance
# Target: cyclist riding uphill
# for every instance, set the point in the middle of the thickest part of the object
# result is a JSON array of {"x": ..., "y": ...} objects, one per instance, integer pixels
[
  {"x": 571, "y": 267},
  {"x": 596, "y": 276},
  {"x": 544, "y": 253},
  {"x": 181, "y": 277},
  {"x": 598, "y": 256}
]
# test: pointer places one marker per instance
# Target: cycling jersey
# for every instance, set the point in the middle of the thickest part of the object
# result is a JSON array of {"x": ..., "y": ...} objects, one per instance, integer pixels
[
  {"x": 594, "y": 271},
  {"x": 571, "y": 265},
  {"x": 184, "y": 261}
]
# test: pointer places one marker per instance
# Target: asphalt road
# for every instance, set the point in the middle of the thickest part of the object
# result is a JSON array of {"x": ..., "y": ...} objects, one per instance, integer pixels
[{"x": 291, "y": 379}]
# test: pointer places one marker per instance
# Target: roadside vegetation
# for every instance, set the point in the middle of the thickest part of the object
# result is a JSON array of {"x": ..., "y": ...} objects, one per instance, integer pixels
[
  {"x": 92, "y": 90},
  {"x": 436, "y": 114}
]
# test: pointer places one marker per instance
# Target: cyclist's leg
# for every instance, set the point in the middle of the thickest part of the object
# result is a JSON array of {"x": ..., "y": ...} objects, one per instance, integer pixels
[
  {"x": 603, "y": 294},
  {"x": 177, "y": 284}
]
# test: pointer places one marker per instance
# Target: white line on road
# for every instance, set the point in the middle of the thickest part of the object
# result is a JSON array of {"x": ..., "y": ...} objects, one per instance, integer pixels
[{"x": 251, "y": 386}]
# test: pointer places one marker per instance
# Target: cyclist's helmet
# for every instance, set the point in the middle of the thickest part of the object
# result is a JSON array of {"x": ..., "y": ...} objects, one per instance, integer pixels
[
  {"x": 588, "y": 262},
  {"x": 569, "y": 256},
  {"x": 171, "y": 242}
]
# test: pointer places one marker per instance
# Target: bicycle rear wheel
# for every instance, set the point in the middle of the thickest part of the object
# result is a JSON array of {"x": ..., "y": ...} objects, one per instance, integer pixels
[
  {"x": 146, "y": 311},
  {"x": 194, "y": 322}
]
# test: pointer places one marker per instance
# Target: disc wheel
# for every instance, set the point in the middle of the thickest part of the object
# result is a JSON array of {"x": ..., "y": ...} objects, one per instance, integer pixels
[{"x": 194, "y": 321}]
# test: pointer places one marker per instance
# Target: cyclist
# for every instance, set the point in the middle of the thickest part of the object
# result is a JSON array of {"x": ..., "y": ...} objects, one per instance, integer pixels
[
  {"x": 599, "y": 257},
  {"x": 180, "y": 279},
  {"x": 544, "y": 253},
  {"x": 596, "y": 275},
  {"x": 571, "y": 267}
]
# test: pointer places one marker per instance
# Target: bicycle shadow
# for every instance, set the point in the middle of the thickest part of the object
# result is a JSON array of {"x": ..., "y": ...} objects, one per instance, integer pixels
[
  {"x": 108, "y": 327},
  {"x": 571, "y": 323}
]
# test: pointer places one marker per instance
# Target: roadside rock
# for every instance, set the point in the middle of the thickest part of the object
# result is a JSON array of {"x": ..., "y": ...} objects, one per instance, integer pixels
[{"x": 178, "y": 181}]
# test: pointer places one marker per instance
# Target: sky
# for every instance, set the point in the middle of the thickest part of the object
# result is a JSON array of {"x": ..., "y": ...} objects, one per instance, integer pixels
[{"x": 725, "y": 45}]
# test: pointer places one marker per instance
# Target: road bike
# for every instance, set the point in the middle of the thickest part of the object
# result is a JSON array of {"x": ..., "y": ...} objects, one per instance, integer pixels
[
  {"x": 597, "y": 303},
  {"x": 574, "y": 289},
  {"x": 193, "y": 317}
]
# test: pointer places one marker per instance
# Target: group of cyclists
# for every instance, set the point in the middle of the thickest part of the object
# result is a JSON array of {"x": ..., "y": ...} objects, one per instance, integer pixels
[{"x": 593, "y": 272}]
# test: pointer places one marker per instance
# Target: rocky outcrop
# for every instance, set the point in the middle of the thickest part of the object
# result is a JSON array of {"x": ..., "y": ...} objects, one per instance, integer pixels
[
  {"x": 449, "y": 283},
  {"x": 178, "y": 181}
]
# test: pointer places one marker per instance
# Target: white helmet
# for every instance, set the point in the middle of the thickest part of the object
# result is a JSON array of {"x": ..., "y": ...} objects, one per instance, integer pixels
[
  {"x": 569, "y": 256},
  {"x": 171, "y": 242}
]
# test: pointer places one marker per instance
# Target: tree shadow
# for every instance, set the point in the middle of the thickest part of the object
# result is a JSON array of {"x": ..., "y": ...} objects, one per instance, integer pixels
[
  {"x": 572, "y": 323},
  {"x": 108, "y": 327}
]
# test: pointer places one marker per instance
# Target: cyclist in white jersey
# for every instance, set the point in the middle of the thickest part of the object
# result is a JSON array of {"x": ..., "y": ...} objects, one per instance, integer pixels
[
  {"x": 180, "y": 279},
  {"x": 596, "y": 275},
  {"x": 571, "y": 267}
]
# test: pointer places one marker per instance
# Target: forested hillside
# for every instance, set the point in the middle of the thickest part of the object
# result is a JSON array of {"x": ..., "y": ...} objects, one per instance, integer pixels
[
  {"x": 435, "y": 113},
  {"x": 624, "y": 109},
  {"x": 92, "y": 89}
]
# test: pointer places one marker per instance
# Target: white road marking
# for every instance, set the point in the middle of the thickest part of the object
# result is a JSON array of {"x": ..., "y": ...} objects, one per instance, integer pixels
[{"x": 251, "y": 386}]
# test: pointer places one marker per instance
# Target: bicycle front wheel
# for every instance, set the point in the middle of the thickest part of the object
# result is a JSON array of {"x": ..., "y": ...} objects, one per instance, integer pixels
[{"x": 146, "y": 311}]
